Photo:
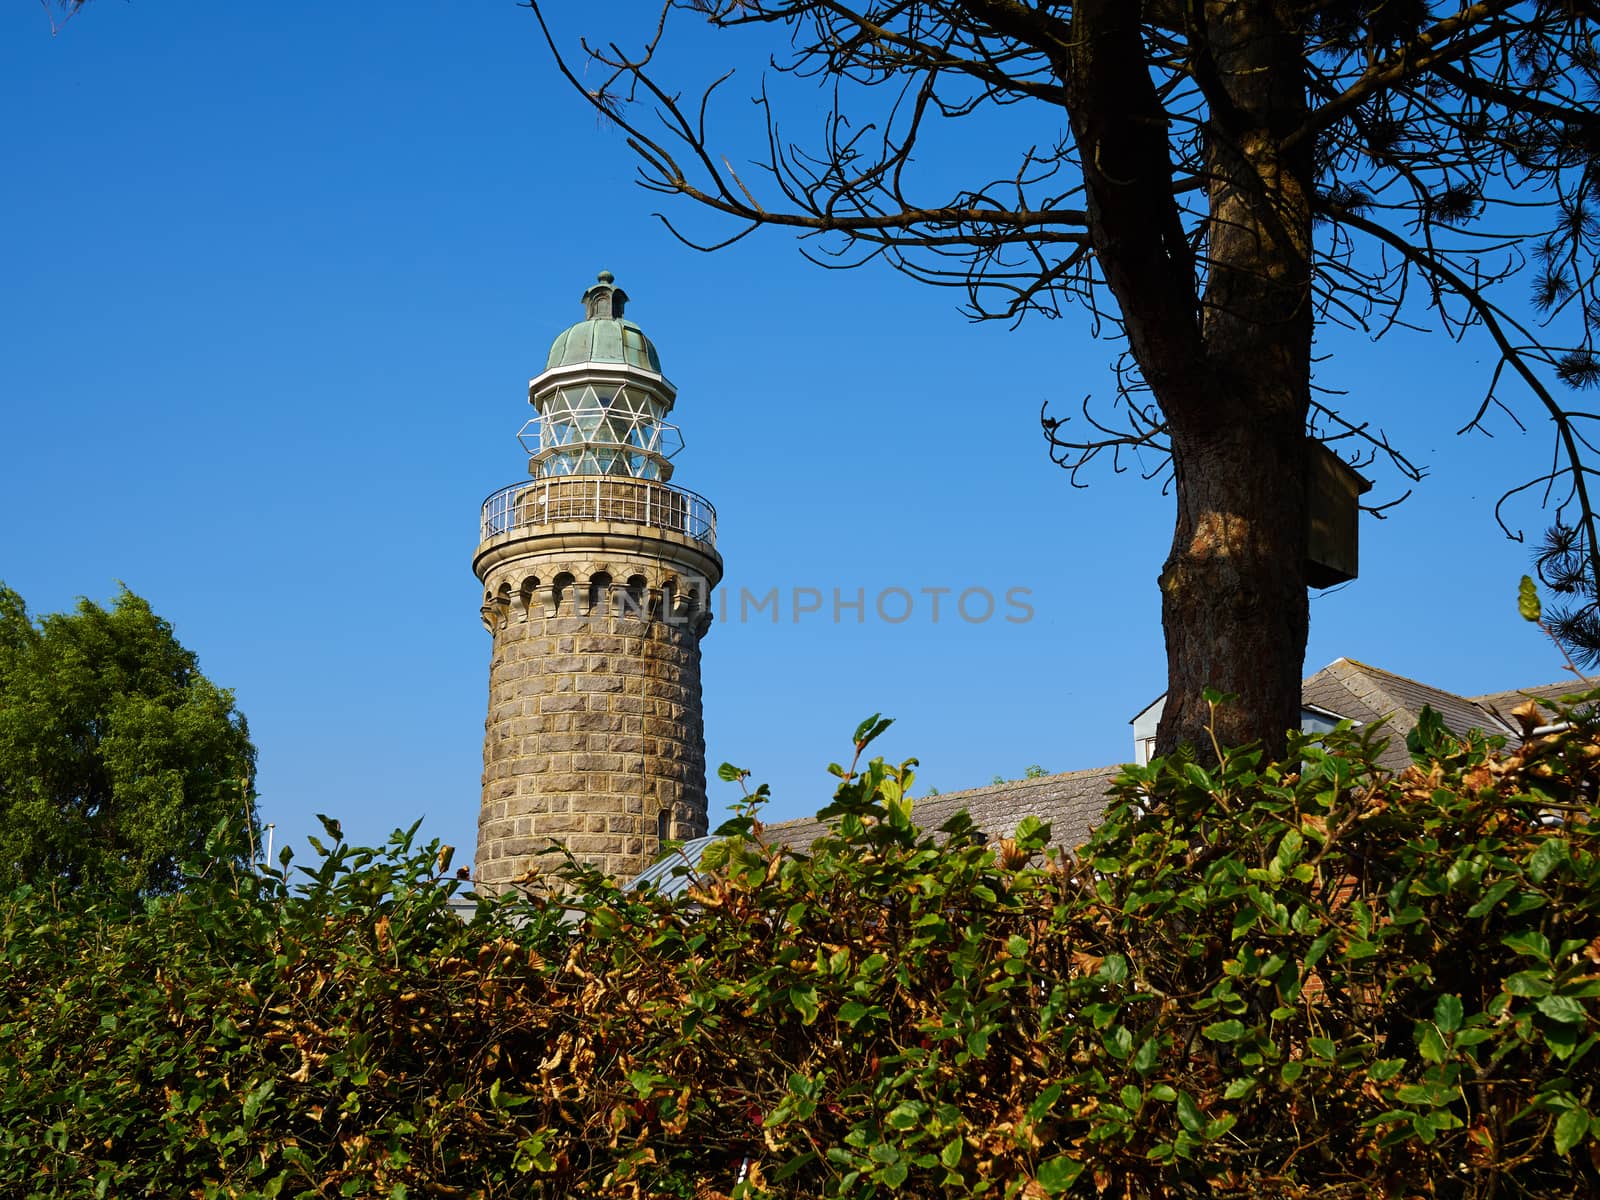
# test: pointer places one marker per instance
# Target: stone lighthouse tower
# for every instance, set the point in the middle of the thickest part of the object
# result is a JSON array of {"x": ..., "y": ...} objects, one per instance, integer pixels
[{"x": 597, "y": 577}]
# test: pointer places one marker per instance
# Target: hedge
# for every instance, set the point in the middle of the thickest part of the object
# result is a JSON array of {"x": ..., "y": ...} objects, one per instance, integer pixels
[{"x": 1307, "y": 979}]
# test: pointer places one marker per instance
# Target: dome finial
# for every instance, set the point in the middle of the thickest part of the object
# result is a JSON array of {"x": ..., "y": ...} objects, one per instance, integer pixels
[{"x": 604, "y": 299}]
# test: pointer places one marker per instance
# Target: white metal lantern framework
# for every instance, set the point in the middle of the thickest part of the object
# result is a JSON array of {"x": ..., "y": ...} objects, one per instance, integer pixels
[{"x": 600, "y": 426}]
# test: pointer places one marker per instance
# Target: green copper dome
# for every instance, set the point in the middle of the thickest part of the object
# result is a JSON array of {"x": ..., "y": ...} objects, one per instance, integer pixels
[{"x": 603, "y": 336}]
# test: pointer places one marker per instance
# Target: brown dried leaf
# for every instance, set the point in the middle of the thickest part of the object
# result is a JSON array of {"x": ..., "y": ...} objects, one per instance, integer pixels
[
  {"x": 1012, "y": 858},
  {"x": 1529, "y": 716}
]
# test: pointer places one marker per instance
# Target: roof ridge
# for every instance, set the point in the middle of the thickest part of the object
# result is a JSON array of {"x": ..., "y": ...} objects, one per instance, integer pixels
[
  {"x": 1355, "y": 662},
  {"x": 1394, "y": 703},
  {"x": 1530, "y": 687},
  {"x": 1494, "y": 722},
  {"x": 1375, "y": 698},
  {"x": 1343, "y": 658},
  {"x": 1011, "y": 785},
  {"x": 1017, "y": 784}
]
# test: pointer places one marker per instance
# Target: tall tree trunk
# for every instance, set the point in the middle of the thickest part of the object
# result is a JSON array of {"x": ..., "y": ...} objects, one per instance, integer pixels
[
  {"x": 1229, "y": 368},
  {"x": 1233, "y": 592}
]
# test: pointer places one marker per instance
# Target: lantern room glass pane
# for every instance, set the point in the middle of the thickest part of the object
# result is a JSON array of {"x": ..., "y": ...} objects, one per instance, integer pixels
[{"x": 601, "y": 428}]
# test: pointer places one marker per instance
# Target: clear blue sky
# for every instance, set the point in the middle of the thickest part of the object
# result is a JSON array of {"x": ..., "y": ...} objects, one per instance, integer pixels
[{"x": 273, "y": 280}]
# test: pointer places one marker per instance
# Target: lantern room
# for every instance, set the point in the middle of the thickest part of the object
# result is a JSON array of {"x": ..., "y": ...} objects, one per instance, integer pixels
[{"x": 602, "y": 399}]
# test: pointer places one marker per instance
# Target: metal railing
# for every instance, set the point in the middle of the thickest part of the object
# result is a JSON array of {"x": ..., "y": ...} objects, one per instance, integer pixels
[{"x": 532, "y": 503}]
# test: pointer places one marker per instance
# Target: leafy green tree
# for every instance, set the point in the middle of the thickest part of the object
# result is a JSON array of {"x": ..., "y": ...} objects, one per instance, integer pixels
[
  {"x": 117, "y": 756},
  {"x": 1214, "y": 182}
]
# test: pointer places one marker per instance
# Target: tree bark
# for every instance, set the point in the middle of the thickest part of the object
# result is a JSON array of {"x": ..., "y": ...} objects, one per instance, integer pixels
[
  {"x": 1233, "y": 591},
  {"x": 1229, "y": 366}
]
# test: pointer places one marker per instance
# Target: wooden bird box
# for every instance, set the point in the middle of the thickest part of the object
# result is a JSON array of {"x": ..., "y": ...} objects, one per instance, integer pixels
[{"x": 1333, "y": 509}]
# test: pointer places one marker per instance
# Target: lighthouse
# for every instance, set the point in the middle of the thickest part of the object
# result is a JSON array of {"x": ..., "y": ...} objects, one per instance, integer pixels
[{"x": 597, "y": 574}]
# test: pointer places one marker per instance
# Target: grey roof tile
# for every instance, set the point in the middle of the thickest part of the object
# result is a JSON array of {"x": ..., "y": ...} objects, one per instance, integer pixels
[
  {"x": 1367, "y": 694},
  {"x": 1072, "y": 802},
  {"x": 1501, "y": 703}
]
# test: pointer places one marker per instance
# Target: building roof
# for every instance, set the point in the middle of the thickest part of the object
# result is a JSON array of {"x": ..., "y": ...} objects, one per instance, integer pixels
[
  {"x": 664, "y": 873},
  {"x": 1074, "y": 801},
  {"x": 1071, "y": 803},
  {"x": 1501, "y": 703},
  {"x": 1366, "y": 694},
  {"x": 609, "y": 340}
]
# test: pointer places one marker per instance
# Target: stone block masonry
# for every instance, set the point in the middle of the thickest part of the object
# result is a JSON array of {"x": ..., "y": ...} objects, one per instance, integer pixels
[
  {"x": 547, "y": 780},
  {"x": 594, "y": 739}
]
